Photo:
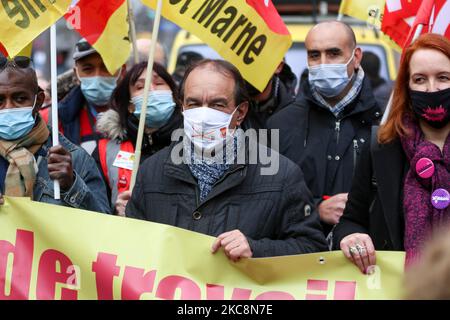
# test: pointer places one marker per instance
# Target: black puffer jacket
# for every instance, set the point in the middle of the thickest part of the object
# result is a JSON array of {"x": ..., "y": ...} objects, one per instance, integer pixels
[
  {"x": 326, "y": 148},
  {"x": 274, "y": 212}
]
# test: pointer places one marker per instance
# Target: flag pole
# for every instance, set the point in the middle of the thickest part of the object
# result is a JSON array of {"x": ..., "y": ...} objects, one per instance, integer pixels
[
  {"x": 54, "y": 79},
  {"x": 133, "y": 31},
  {"x": 148, "y": 80},
  {"x": 417, "y": 34}
]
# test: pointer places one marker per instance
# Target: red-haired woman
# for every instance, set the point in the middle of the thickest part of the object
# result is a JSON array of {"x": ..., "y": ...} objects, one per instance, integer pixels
[{"x": 400, "y": 191}]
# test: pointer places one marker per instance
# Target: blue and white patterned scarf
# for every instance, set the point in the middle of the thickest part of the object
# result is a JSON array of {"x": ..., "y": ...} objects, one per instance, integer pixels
[{"x": 208, "y": 171}]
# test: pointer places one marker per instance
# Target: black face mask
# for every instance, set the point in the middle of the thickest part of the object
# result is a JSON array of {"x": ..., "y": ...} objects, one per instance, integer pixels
[{"x": 432, "y": 107}]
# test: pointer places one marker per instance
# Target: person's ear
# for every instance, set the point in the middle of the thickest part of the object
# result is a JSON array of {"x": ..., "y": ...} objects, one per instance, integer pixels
[
  {"x": 358, "y": 58},
  {"x": 40, "y": 98},
  {"x": 77, "y": 77},
  {"x": 241, "y": 113}
]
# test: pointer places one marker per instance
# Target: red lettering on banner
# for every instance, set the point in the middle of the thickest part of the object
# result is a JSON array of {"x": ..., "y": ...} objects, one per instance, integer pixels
[
  {"x": 217, "y": 292},
  {"x": 343, "y": 290},
  {"x": 105, "y": 270},
  {"x": 317, "y": 285},
  {"x": 48, "y": 276},
  {"x": 22, "y": 255},
  {"x": 135, "y": 283},
  {"x": 167, "y": 287},
  {"x": 56, "y": 268}
]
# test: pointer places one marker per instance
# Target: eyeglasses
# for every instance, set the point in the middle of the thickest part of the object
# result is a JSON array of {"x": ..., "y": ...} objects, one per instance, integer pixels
[
  {"x": 83, "y": 46},
  {"x": 19, "y": 61}
]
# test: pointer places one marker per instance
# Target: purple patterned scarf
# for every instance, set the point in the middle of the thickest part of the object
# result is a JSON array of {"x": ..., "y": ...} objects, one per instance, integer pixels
[{"x": 420, "y": 215}]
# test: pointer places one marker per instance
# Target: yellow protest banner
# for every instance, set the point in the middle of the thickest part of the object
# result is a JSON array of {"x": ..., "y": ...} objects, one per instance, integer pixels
[
  {"x": 23, "y": 21},
  {"x": 248, "y": 33},
  {"x": 51, "y": 252}
]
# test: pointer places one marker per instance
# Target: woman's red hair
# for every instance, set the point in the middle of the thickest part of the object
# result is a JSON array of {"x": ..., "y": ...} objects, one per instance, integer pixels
[{"x": 401, "y": 103}]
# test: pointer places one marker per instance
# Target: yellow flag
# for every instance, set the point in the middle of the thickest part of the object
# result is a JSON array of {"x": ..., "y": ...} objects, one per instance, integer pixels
[
  {"x": 366, "y": 10},
  {"x": 249, "y": 34},
  {"x": 370, "y": 11},
  {"x": 26, "y": 52},
  {"x": 23, "y": 21}
]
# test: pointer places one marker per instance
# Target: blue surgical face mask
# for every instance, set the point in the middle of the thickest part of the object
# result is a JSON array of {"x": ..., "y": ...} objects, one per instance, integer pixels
[
  {"x": 160, "y": 107},
  {"x": 16, "y": 123},
  {"x": 97, "y": 90},
  {"x": 330, "y": 79}
]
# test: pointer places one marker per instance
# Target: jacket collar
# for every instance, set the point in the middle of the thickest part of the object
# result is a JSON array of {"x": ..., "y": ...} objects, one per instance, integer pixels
[
  {"x": 63, "y": 141},
  {"x": 164, "y": 134},
  {"x": 109, "y": 125},
  {"x": 232, "y": 178},
  {"x": 363, "y": 102},
  {"x": 389, "y": 163},
  {"x": 69, "y": 108}
]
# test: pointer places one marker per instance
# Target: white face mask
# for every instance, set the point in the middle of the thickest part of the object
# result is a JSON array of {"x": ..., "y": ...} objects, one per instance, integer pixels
[{"x": 207, "y": 128}]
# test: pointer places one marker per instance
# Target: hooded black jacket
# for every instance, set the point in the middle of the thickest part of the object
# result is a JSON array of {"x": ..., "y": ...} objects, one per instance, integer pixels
[{"x": 325, "y": 147}]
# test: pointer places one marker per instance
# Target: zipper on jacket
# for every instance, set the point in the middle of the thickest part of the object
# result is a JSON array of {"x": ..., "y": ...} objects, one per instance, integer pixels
[
  {"x": 338, "y": 130},
  {"x": 355, "y": 154}
]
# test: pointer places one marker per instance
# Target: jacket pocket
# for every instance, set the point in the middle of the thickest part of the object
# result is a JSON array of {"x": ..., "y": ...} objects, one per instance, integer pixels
[
  {"x": 254, "y": 218},
  {"x": 43, "y": 191},
  {"x": 161, "y": 211}
]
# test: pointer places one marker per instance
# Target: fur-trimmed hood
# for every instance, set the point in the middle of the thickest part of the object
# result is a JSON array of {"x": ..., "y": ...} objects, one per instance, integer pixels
[{"x": 108, "y": 124}]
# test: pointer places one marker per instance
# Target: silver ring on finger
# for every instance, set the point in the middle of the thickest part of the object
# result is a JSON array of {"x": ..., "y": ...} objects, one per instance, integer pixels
[
  {"x": 362, "y": 250},
  {"x": 353, "y": 250}
]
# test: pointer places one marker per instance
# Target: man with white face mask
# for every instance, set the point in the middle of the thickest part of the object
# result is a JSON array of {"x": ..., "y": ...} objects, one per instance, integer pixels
[
  {"x": 250, "y": 214},
  {"x": 28, "y": 161},
  {"x": 332, "y": 117}
]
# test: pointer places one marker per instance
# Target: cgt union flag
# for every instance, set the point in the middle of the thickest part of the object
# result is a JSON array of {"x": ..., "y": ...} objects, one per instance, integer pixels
[
  {"x": 402, "y": 16},
  {"x": 104, "y": 25},
  {"x": 248, "y": 33}
]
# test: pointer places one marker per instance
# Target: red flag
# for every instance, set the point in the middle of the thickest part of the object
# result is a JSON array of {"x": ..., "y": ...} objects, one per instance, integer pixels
[
  {"x": 424, "y": 17},
  {"x": 104, "y": 25},
  {"x": 266, "y": 9},
  {"x": 401, "y": 17},
  {"x": 3, "y": 50}
]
